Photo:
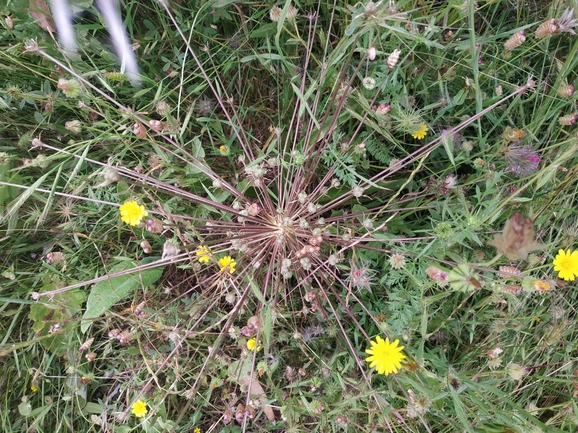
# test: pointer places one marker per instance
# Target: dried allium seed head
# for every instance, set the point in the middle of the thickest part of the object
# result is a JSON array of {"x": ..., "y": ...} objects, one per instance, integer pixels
[
  {"x": 393, "y": 58},
  {"x": 568, "y": 119},
  {"x": 547, "y": 28},
  {"x": 515, "y": 40},
  {"x": 566, "y": 91}
]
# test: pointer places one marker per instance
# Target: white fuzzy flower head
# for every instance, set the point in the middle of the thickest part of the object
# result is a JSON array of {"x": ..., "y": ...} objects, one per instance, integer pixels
[
  {"x": 357, "y": 191},
  {"x": 275, "y": 14},
  {"x": 371, "y": 53},
  {"x": 369, "y": 83}
]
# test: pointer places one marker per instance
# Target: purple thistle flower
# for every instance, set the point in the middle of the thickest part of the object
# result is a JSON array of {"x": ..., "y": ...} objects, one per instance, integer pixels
[{"x": 521, "y": 160}]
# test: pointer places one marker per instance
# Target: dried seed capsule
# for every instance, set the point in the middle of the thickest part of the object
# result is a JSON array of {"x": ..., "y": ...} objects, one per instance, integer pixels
[
  {"x": 393, "y": 59},
  {"x": 569, "y": 119},
  {"x": 138, "y": 130},
  {"x": 566, "y": 91},
  {"x": 515, "y": 40},
  {"x": 146, "y": 247},
  {"x": 239, "y": 413},
  {"x": 86, "y": 345},
  {"x": 156, "y": 125},
  {"x": 547, "y": 28},
  {"x": 382, "y": 109},
  {"x": 247, "y": 332},
  {"x": 508, "y": 272},
  {"x": 154, "y": 225},
  {"x": 54, "y": 257},
  {"x": 254, "y": 322},
  {"x": 227, "y": 416}
]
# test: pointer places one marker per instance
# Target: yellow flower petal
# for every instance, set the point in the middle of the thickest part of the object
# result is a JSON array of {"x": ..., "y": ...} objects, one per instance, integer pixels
[
  {"x": 139, "y": 408},
  {"x": 227, "y": 264},
  {"x": 385, "y": 357},
  {"x": 132, "y": 213},
  {"x": 420, "y": 132},
  {"x": 204, "y": 254},
  {"x": 566, "y": 264}
]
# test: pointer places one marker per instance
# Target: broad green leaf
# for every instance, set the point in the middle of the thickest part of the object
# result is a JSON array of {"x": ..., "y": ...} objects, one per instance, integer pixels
[{"x": 106, "y": 293}]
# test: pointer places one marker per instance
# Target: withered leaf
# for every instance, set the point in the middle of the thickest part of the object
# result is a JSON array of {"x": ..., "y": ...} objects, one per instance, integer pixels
[
  {"x": 517, "y": 238},
  {"x": 255, "y": 390},
  {"x": 40, "y": 11}
]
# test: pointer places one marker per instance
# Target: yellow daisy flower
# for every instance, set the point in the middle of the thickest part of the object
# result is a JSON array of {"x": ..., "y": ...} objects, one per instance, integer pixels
[
  {"x": 132, "y": 213},
  {"x": 204, "y": 254},
  {"x": 139, "y": 408},
  {"x": 227, "y": 264},
  {"x": 420, "y": 132},
  {"x": 252, "y": 343},
  {"x": 566, "y": 264},
  {"x": 385, "y": 356}
]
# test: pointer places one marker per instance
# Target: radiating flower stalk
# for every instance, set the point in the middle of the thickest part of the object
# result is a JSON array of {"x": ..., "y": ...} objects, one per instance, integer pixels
[{"x": 287, "y": 226}]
